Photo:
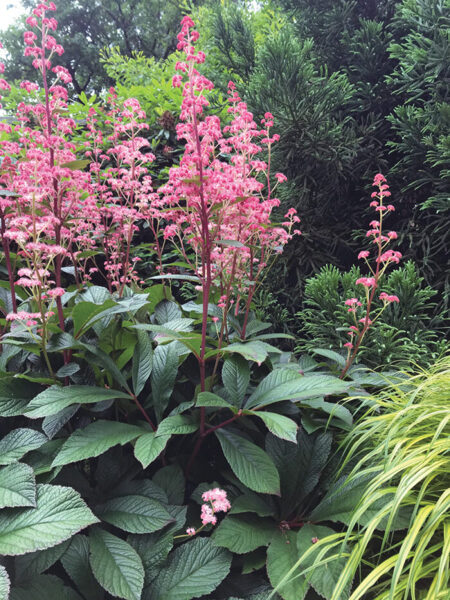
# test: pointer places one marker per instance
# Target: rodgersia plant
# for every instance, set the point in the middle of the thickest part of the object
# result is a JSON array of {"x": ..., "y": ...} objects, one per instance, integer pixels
[
  {"x": 109, "y": 401},
  {"x": 362, "y": 309}
]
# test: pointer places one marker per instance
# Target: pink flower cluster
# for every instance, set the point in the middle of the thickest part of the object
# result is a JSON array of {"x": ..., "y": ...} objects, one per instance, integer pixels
[
  {"x": 217, "y": 502},
  {"x": 383, "y": 257}
]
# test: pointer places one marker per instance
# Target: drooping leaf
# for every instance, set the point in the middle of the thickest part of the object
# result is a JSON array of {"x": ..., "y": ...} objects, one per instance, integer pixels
[
  {"x": 192, "y": 570},
  {"x": 149, "y": 446},
  {"x": 298, "y": 388},
  {"x": 255, "y": 350},
  {"x": 93, "y": 440},
  {"x": 334, "y": 356},
  {"x": 171, "y": 480},
  {"x": 164, "y": 373},
  {"x": 242, "y": 534},
  {"x": 279, "y": 425},
  {"x": 283, "y": 555},
  {"x": 251, "y": 503},
  {"x": 75, "y": 561},
  {"x": 49, "y": 587},
  {"x": 116, "y": 565},
  {"x": 249, "y": 463},
  {"x": 153, "y": 549},
  {"x": 15, "y": 395},
  {"x": 35, "y": 563},
  {"x": 135, "y": 514},
  {"x": 56, "y": 398},
  {"x": 177, "y": 425},
  {"x": 236, "y": 377},
  {"x": 18, "y": 442},
  {"x": 142, "y": 361},
  {"x": 54, "y": 423},
  {"x": 299, "y": 466},
  {"x": 167, "y": 311},
  {"x": 84, "y": 311},
  {"x": 68, "y": 370},
  {"x": 60, "y": 513},
  {"x": 210, "y": 399},
  {"x": 17, "y": 486},
  {"x": 4, "y": 584}
]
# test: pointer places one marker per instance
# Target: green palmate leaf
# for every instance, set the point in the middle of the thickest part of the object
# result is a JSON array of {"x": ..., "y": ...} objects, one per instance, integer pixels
[
  {"x": 242, "y": 534},
  {"x": 17, "y": 486},
  {"x": 4, "y": 584},
  {"x": 60, "y": 513},
  {"x": 236, "y": 377},
  {"x": 142, "y": 361},
  {"x": 56, "y": 398},
  {"x": 213, "y": 400},
  {"x": 135, "y": 514},
  {"x": 49, "y": 587},
  {"x": 93, "y": 440},
  {"x": 279, "y": 425},
  {"x": 15, "y": 395},
  {"x": 178, "y": 424},
  {"x": 282, "y": 556},
  {"x": 34, "y": 563},
  {"x": 149, "y": 446},
  {"x": 75, "y": 561},
  {"x": 249, "y": 463},
  {"x": 192, "y": 571},
  {"x": 18, "y": 442},
  {"x": 164, "y": 373},
  {"x": 116, "y": 565},
  {"x": 278, "y": 386}
]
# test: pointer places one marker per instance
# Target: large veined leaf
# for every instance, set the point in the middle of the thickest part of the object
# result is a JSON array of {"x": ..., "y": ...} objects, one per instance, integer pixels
[
  {"x": 279, "y": 425},
  {"x": 251, "y": 503},
  {"x": 177, "y": 425},
  {"x": 192, "y": 570},
  {"x": 142, "y": 361},
  {"x": 116, "y": 565},
  {"x": 171, "y": 480},
  {"x": 18, "y": 442},
  {"x": 93, "y": 440},
  {"x": 164, "y": 373},
  {"x": 135, "y": 514},
  {"x": 297, "y": 388},
  {"x": 236, "y": 377},
  {"x": 84, "y": 311},
  {"x": 149, "y": 446},
  {"x": 49, "y": 587},
  {"x": 56, "y": 398},
  {"x": 17, "y": 486},
  {"x": 34, "y": 563},
  {"x": 242, "y": 534},
  {"x": 153, "y": 549},
  {"x": 167, "y": 311},
  {"x": 282, "y": 556},
  {"x": 300, "y": 465},
  {"x": 4, "y": 584},
  {"x": 75, "y": 561},
  {"x": 249, "y": 463},
  {"x": 54, "y": 423},
  {"x": 256, "y": 351},
  {"x": 60, "y": 513},
  {"x": 213, "y": 400},
  {"x": 15, "y": 395},
  {"x": 331, "y": 408}
]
